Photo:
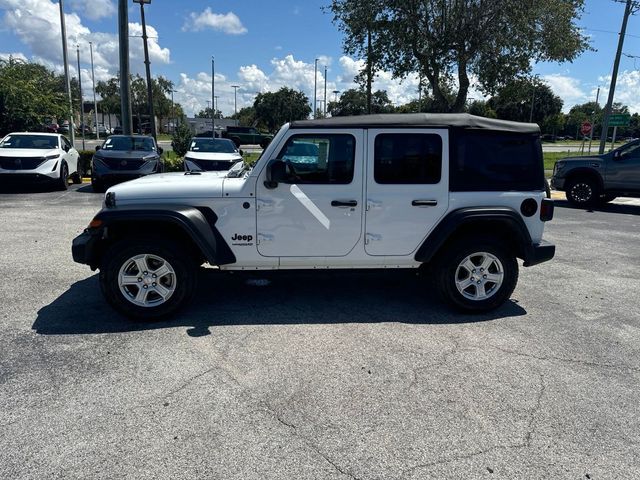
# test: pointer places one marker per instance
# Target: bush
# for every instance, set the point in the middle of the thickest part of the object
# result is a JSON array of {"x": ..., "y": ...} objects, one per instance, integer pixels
[
  {"x": 181, "y": 139},
  {"x": 172, "y": 162}
]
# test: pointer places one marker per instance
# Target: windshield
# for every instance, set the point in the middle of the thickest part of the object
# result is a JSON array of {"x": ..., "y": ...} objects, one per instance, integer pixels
[
  {"x": 212, "y": 145},
  {"x": 141, "y": 144},
  {"x": 40, "y": 142}
]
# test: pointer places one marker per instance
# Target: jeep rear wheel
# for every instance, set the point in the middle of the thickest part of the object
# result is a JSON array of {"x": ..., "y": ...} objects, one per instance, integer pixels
[
  {"x": 147, "y": 279},
  {"x": 582, "y": 192},
  {"x": 476, "y": 277}
]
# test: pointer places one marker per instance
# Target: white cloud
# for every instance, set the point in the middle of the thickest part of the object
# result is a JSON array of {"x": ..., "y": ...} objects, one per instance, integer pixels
[
  {"x": 14, "y": 56},
  {"x": 627, "y": 88},
  {"x": 227, "y": 23},
  {"x": 95, "y": 9},
  {"x": 37, "y": 24},
  {"x": 569, "y": 89}
]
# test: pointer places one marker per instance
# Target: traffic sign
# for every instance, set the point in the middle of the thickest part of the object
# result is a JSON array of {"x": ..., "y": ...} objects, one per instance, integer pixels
[
  {"x": 585, "y": 128},
  {"x": 619, "y": 120}
]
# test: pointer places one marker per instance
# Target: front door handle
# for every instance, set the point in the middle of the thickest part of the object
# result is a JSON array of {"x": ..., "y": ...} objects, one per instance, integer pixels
[
  {"x": 344, "y": 203},
  {"x": 424, "y": 203}
]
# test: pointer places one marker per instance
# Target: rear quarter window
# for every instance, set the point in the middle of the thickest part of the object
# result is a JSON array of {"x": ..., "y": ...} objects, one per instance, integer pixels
[{"x": 496, "y": 161}]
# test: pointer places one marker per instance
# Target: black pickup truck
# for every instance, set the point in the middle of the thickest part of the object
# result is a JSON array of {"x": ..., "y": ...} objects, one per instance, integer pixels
[{"x": 247, "y": 136}]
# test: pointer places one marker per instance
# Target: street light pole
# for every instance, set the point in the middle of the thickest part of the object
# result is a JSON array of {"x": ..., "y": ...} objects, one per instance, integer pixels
[
  {"x": 235, "y": 98},
  {"x": 95, "y": 103},
  {"x": 173, "y": 113},
  {"x": 147, "y": 63},
  {"x": 213, "y": 96},
  {"x": 125, "y": 87},
  {"x": 325, "y": 90},
  {"x": 614, "y": 78},
  {"x": 315, "y": 87},
  {"x": 84, "y": 147},
  {"x": 65, "y": 59}
]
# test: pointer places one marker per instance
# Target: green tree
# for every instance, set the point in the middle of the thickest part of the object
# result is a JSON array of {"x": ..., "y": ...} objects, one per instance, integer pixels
[
  {"x": 450, "y": 41},
  {"x": 276, "y": 108},
  {"x": 354, "y": 102},
  {"x": 206, "y": 113},
  {"x": 481, "y": 108},
  {"x": 246, "y": 116},
  {"x": 181, "y": 139},
  {"x": 513, "y": 102},
  {"x": 30, "y": 95}
]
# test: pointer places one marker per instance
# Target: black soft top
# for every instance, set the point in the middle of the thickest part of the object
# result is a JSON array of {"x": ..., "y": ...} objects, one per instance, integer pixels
[{"x": 413, "y": 120}]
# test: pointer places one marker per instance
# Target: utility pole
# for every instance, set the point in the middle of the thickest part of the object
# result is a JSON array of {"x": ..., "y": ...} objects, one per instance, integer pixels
[
  {"x": 82, "y": 126},
  {"x": 125, "y": 88},
  {"x": 147, "y": 63},
  {"x": 325, "y": 90},
  {"x": 614, "y": 76},
  {"x": 67, "y": 80},
  {"x": 95, "y": 103},
  {"x": 592, "y": 125},
  {"x": 315, "y": 87},
  {"x": 213, "y": 96},
  {"x": 235, "y": 98}
]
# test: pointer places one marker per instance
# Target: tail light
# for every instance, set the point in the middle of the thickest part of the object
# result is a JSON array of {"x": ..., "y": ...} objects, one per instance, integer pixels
[{"x": 546, "y": 210}]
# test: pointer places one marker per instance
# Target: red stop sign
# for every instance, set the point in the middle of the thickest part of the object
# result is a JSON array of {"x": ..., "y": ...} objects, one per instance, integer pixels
[{"x": 585, "y": 128}]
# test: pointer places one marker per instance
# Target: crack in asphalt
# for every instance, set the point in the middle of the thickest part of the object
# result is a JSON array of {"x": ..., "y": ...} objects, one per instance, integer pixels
[{"x": 566, "y": 360}]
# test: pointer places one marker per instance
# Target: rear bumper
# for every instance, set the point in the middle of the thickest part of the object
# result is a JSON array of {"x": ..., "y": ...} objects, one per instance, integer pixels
[{"x": 539, "y": 253}]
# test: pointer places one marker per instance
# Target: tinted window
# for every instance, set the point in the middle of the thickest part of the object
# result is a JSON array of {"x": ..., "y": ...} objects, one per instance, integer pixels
[
  {"x": 404, "y": 158},
  {"x": 320, "y": 158},
  {"x": 491, "y": 161},
  {"x": 211, "y": 145},
  {"x": 630, "y": 151},
  {"x": 144, "y": 144},
  {"x": 44, "y": 142}
]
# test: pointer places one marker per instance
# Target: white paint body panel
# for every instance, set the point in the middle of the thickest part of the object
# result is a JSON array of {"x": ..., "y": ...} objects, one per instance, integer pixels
[{"x": 46, "y": 168}]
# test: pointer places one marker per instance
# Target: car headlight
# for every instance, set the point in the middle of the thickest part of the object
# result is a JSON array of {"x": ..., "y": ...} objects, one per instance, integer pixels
[{"x": 52, "y": 157}]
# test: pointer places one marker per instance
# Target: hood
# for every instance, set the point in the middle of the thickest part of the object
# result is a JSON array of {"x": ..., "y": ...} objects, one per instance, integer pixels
[
  {"x": 586, "y": 158},
  {"x": 133, "y": 154},
  {"x": 170, "y": 186},
  {"x": 231, "y": 157},
  {"x": 29, "y": 152}
]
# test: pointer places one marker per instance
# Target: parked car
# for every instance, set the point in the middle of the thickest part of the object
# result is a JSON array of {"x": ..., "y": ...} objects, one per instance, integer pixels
[
  {"x": 101, "y": 130},
  {"x": 123, "y": 157},
  {"x": 84, "y": 128},
  {"x": 211, "y": 154},
  {"x": 64, "y": 128},
  {"x": 38, "y": 158},
  {"x": 380, "y": 191},
  {"x": 117, "y": 130},
  {"x": 50, "y": 128},
  {"x": 247, "y": 136},
  {"x": 598, "y": 179}
]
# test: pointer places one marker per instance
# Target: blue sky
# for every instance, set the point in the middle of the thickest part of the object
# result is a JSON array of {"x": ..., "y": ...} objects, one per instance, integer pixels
[{"x": 262, "y": 46}]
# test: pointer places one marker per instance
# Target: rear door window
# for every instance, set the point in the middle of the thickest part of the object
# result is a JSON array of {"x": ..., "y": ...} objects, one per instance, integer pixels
[{"x": 407, "y": 158}]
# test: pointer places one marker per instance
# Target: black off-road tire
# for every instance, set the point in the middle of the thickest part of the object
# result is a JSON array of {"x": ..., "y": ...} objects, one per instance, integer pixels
[
  {"x": 582, "y": 192},
  {"x": 446, "y": 269},
  {"x": 183, "y": 264}
]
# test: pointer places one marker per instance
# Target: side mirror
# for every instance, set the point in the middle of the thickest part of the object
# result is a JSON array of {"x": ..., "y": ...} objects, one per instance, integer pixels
[
  {"x": 66, "y": 148},
  {"x": 160, "y": 150},
  {"x": 241, "y": 152},
  {"x": 276, "y": 173},
  {"x": 97, "y": 147}
]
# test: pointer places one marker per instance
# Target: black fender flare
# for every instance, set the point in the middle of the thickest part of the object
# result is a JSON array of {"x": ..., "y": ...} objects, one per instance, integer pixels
[
  {"x": 198, "y": 223},
  {"x": 506, "y": 217}
]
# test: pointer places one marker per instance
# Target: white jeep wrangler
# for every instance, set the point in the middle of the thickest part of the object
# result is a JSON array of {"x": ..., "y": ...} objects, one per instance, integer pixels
[{"x": 460, "y": 194}]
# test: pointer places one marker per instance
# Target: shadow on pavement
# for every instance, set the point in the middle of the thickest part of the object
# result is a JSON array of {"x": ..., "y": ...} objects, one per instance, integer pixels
[
  {"x": 607, "y": 208},
  {"x": 28, "y": 188},
  {"x": 289, "y": 298}
]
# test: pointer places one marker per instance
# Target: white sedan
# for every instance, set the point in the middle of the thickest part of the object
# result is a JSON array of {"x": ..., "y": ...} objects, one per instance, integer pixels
[
  {"x": 38, "y": 158},
  {"x": 211, "y": 154}
]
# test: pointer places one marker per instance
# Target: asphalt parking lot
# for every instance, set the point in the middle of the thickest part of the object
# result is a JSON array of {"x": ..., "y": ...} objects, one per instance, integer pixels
[{"x": 336, "y": 376}]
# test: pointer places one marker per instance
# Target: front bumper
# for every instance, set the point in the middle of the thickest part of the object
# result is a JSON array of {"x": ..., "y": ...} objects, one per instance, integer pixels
[
  {"x": 27, "y": 178},
  {"x": 539, "y": 253},
  {"x": 84, "y": 248}
]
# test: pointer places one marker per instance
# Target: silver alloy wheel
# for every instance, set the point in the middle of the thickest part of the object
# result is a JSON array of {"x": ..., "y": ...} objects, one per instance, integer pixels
[
  {"x": 479, "y": 276},
  {"x": 147, "y": 280},
  {"x": 581, "y": 192}
]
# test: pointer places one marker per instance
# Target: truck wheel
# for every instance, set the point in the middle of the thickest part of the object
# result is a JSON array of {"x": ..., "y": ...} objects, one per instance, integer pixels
[
  {"x": 147, "y": 279},
  {"x": 582, "y": 192},
  {"x": 476, "y": 276},
  {"x": 236, "y": 140}
]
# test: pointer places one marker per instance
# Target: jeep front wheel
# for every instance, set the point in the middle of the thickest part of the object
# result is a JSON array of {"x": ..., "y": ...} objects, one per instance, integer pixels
[
  {"x": 582, "y": 192},
  {"x": 477, "y": 277},
  {"x": 147, "y": 279}
]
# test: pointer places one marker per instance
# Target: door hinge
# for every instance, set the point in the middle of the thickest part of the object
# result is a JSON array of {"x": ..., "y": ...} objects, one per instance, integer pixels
[
  {"x": 264, "y": 238},
  {"x": 372, "y": 237}
]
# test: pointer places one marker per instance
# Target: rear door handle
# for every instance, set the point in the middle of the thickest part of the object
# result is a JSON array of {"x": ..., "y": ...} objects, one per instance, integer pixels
[
  {"x": 424, "y": 203},
  {"x": 344, "y": 203}
]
